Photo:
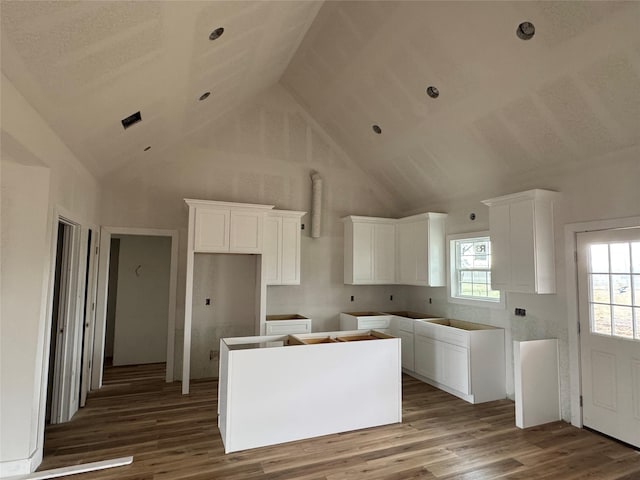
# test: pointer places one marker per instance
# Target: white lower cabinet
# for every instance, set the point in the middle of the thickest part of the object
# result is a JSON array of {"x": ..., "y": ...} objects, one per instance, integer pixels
[
  {"x": 365, "y": 321},
  {"x": 465, "y": 359},
  {"x": 407, "y": 340}
]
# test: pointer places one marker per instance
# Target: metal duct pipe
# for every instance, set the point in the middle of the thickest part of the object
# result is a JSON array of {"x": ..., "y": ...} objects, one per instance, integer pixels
[{"x": 316, "y": 203}]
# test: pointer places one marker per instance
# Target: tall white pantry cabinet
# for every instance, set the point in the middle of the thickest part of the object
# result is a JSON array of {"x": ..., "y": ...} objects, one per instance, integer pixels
[
  {"x": 273, "y": 236},
  {"x": 522, "y": 242}
]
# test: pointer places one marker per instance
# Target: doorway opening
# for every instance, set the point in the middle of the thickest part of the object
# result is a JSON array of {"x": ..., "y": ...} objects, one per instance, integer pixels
[{"x": 136, "y": 302}]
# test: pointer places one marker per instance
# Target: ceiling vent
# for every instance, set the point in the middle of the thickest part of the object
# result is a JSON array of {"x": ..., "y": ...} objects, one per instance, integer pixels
[{"x": 131, "y": 120}]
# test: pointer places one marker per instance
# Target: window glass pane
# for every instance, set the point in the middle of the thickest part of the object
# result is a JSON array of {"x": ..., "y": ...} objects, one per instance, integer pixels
[
  {"x": 622, "y": 321},
  {"x": 636, "y": 287},
  {"x": 466, "y": 289},
  {"x": 621, "y": 289},
  {"x": 636, "y": 314},
  {"x": 600, "y": 288},
  {"x": 466, "y": 276},
  {"x": 480, "y": 277},
  {"x": 620, "y": 258},
  {"x": 479, "y": 290},
  {"x": 635, "y": 255},
  {"x": 601, "y": 318},
  {"x": 599, "y": 258},
  {"x": 494, "y": 294}
]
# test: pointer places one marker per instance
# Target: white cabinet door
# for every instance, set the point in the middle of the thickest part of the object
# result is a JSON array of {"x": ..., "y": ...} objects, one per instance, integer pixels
[
  {"x": 384, "y": 247},
  {"x": 246, "y": 231},
  {"x": 271, "y": 251},
  {"x": 211, "y": 230},
  {"x": 363, "y": 241},
  {"x": 428, "y": 356},
  {"x": 407, "y": 349},
  {"x": 500, "y": 247},
  {"x": 455, "y": 367},
  {"x": 521, "y": 240},
  {"x": 405, "y": 244},
  {"x": 290, "y": 251}
]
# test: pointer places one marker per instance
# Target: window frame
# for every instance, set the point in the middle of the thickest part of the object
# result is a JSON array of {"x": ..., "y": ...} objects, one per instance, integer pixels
[{"x": 452, "y": 269}]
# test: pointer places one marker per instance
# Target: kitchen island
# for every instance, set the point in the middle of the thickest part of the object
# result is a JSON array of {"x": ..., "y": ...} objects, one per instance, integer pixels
[{"x": 275, "y": 389}]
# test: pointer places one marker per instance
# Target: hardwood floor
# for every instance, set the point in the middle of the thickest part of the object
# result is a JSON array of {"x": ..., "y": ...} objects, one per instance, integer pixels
[{"x": 175, "y": 437}]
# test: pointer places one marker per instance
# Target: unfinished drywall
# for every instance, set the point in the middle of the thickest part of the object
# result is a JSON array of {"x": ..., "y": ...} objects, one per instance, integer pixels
[
  {"x": 72, "y": 191},
  {"x": 604, "y": 189},
  {"x": 228, "y": 282},
  {"x": 25, "y": 199},
  {"x": 142, "y": 304},
  {"x": 261, "y": 153}
]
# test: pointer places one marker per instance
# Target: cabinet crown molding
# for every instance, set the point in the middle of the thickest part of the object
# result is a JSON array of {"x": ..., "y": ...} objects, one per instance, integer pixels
[
  {"x": 535, "y": 194},
  {"x": 363, "y": 219},
  {"x": 215, "y": 203},
  {"x": 285, "y": 213}
]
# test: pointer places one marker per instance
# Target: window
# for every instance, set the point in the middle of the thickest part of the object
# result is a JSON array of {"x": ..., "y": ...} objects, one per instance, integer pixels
[
  {"x": 614, "y": 289},
  {"x": 470, "y": 270}
]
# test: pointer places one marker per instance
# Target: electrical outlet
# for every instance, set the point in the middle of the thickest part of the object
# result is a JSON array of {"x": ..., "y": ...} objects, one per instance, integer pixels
[
  {"x": 352, "y": 298},
  {"x": 207, "y": 301},
  {"x": 430, "y": 302},
  {"x": 520, "y": 312},
  {"x": 391, "y": 297}
]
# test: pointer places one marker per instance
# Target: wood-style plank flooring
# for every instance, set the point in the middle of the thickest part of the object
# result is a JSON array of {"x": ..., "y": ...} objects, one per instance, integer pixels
[{"x": 175, "y": 437}]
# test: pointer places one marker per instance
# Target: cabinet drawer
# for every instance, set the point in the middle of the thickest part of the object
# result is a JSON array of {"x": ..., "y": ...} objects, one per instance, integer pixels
[
  {"x": 403, "y": 323},
  {"x": 452, "y": 335},
  {"x": 288, "y": 327},
  {"x": 373, "y": 322}
]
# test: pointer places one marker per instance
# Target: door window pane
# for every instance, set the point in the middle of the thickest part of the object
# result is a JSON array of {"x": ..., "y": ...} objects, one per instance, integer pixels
[
  {"x": 601, "y": 319},
  {"x": 621, "y": 287},
  {"x": 600, "y": 292},
  {"x": 620, "y": 258},
  {"x": 635, "y": 256},
  {"x": 600, "y": 258},
  {"x": 622, "y": 321}
]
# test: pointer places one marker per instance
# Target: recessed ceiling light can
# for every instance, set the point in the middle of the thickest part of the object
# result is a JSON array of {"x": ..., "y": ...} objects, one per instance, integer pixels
[
  {"x": 526, "y": 31},
  {"x": 377, "y": 129},
  {"x": 204, "y": 96},
  {"x": 217, "y": 33},
  {"x": 433, "y": 92}
]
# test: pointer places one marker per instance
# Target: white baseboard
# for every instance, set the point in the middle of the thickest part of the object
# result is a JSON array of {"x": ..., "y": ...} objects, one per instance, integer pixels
[{"x": 23, "y": 466}]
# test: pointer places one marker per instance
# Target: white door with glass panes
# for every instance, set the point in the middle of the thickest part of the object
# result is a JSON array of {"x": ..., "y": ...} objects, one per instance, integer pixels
[{"x": 609, "y": 308}]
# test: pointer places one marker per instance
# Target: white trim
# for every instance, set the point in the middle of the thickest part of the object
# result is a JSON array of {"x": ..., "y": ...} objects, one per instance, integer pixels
[
  {"x": 473, "y": 302},
  {"x": 570, "y": 248},
  {"x": 24, "y": 466},
  {"x": 101, "y": 303},
  {"x": 75, "y": 469}
]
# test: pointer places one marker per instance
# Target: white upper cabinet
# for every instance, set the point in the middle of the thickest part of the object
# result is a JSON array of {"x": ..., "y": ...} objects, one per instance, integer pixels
[
  {"x": 369, "y": 250},
  {"x": 420, "y": 242},
  {"x": 223, "y": 227},
  {"x": 406, "y": 251},
  {"x": 282, "y": 247},
  {"x": 522, "y": 242}
]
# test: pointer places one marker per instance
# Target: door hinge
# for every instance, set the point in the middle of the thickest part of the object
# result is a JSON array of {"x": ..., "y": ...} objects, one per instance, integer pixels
[
  {"x": 578, "y": 328},
  {"x": 580, "y": 400},
  {"x": 93, "y": 307},
  {"x": 575, "y": 256},
  {"x": 96, "y": 250}
]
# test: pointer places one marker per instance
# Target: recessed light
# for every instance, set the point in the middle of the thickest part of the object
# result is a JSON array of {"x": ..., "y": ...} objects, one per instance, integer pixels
[
  {"x": 433, "y": 92},
  {"x": 204, "y": 96},
  {"x": 147, "y": 148},
  {"x": 217, "y": 33},
  {"x": 377, "y": 129},
  {"x": 526, "y": 31}
]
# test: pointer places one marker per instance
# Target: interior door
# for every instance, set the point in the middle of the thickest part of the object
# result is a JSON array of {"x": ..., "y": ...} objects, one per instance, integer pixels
[
  {"x": 609, "y": 308},
  {"x": 89, "y": 316}
]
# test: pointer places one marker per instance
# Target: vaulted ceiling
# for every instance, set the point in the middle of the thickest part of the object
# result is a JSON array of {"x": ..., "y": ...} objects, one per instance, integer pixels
[{"x": 507, "y": 107}]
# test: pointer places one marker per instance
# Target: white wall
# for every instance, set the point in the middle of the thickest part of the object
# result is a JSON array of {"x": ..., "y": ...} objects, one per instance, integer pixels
[
  {"x": 25, "y": 200},
  {"x": 28, "y": 140},
  {"x": 142, "y": 300},
  {"x": 261, "y": 153},
  {"x": 594, "y": 192}
]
